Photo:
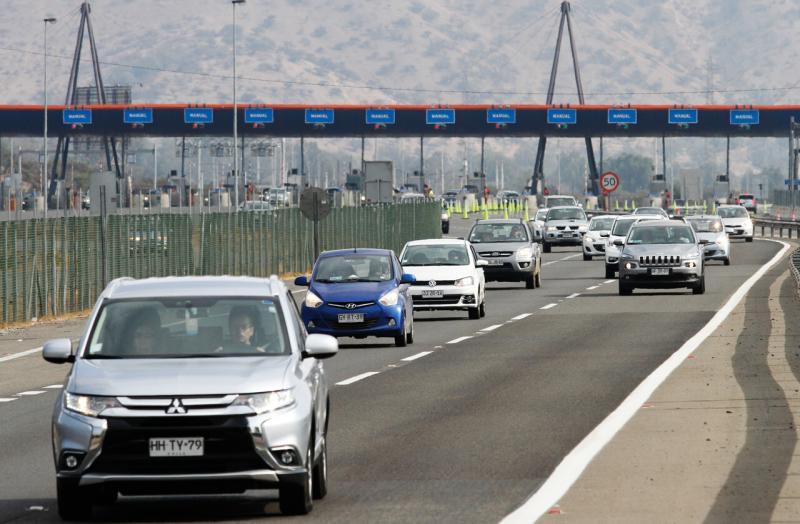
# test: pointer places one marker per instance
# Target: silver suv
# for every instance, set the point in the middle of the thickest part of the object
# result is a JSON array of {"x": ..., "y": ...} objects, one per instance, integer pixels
[
  {"x": 510, "y": 252},
  {"x": 661, "y": 254},
  {"x": 191, "y": 385},
  {"x": 564, "y": 226}
]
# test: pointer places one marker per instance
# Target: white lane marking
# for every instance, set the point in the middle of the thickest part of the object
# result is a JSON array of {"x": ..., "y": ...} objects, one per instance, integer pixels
[
  {"x": 6, "y": 399},
  {"x": 520, "y": 317},
  {"x": 459, "y": 339},
  {"x": 592, "y": 287},
  {"x": 574, "y": 295},
  {"x": 20, "y": 354},
  {"x": 437, "y": 347},
  {"x": 491, "y": 328},
  {"x": 31, "y": 393},
  {"x": 560, "y": 260},
  {"x": 570, "y": 469},
  {"x": 548, "y": 306},
  {"x": 362, "y": 376},
  {"x": 609, "y": 281},
  {"x": 415, "y": 357},
  {"x": 54, "y": 386}
]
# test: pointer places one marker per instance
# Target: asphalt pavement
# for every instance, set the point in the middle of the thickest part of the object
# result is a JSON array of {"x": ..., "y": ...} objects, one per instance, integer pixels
[{"x": 461, "y": 426}]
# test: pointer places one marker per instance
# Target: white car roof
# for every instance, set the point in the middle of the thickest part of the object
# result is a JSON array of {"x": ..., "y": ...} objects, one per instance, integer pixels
[
  {"x": 437, "y": 242},
  {"x": 229, "y": 286}
]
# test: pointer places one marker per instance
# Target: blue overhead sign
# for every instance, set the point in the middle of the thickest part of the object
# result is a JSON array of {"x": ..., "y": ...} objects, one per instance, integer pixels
[
  {"x": 319, "y": 116},
  {"x": 789, "y": 182},
  {"x": 198, "y": 115},
  {"x": 440, "y": 116},
  {"x": 744, "y": 117},
  {"x": 682, "y": 116},
  {"x": 501, "y": 116},
  {"x": 379, "y": 116},
  {"x": 562, "y": 116},
  {"x": 258, "y": 115},
  {"x": 137, "y": 116},
  {"x": 622, "y": 116},
  {"x": 76, "y": 116}
]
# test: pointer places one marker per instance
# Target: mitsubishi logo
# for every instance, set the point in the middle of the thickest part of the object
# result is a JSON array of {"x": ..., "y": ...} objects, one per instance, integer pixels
[
  {"x": 176, "y": 407},
  {"x": 350, "y": 306},
  {"x": 432, "y": 283}
]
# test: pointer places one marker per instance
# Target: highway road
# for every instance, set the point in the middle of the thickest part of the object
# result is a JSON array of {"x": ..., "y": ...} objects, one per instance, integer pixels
[{"x": 461, "y": 426}]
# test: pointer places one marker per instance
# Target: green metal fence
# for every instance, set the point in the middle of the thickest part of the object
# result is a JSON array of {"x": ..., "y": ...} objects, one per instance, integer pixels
[{"x": 60, "y": 265}]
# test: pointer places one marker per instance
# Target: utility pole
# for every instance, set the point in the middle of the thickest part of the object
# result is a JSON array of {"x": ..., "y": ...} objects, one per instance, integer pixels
[{"x": 234, "y": 3}]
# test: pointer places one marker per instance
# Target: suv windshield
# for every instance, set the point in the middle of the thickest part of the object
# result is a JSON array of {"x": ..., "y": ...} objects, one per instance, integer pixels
[
  {"x": 194, "y": 327},
  {"x": 661, "y": 235},
  {"x": 353, "y": 267},
  {"x": 601, "y": 224},
  {"x": 487, "y": 233},
  {"x": 706, "y": 225},
  {"x": 621, "y": 227},
  {"x": 570, "y": 213},
  {"x": 435, "y": 255},
  {"x": 732, "y": 212}
]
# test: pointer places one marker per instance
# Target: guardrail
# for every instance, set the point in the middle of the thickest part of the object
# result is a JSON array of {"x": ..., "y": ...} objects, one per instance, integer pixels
[
  {"x": 58, "y": 265},
  {"x": 780, "y": 225},
  {"x": 794, "y": 266}
]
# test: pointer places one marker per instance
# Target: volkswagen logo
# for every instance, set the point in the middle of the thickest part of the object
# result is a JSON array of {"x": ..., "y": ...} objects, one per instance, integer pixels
[
  {"x": 351, "y": 306},
  {"x": 176, "y": 407},
  {"x": 432, "y": 283}
]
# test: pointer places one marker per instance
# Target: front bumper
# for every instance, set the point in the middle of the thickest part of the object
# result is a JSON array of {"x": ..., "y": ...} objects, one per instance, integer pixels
[
  {"x": 240, "y": 452},
  {"x": 563, "y": 238},
  {"x": 453, "y": 298},
  {"x": 743, "y": 231},
  {"x": 379, "y": 321},
  {"x": 717, "y": 252},
  {"x": 594, "y": 247},
  {"x": 508, "y": 269},
  {"x": 678, "y": 277}
]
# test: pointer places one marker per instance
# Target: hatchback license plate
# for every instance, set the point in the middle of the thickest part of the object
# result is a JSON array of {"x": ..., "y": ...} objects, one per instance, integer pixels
[
  {"x": 432, "y": 293},
  {"x": 351, "y": 318},
  {"x": 660, "y": 271},
  {"x": 176, "y": 447}
]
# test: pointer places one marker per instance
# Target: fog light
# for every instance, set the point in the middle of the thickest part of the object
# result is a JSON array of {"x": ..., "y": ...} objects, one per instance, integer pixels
[
  {"x": 392, "y": 322},
  {"x": 628, "y": 265},
  {"x": 287, "y": 457},
  {"x": 71, "y": 461},
  {"x": 523, "y": 265}
]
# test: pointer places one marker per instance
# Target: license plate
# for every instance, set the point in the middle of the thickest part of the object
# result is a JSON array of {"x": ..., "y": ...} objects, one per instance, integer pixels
[
  {"x": 176, "y": 447},
  {"x": 567, "y": 235},
  {"x": 351, "y": 318},
  {"x": 495, "y": 262},
  {"x": 660, "y": 271},
  {"x": 432, "y": 293}
]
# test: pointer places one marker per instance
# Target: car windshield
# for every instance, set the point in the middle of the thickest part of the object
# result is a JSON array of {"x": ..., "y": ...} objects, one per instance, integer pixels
[
  {"x": 661, "y": 235},
  {"x": 435, "y": 255},
  {"x": 541, "y": 214},
  {"x": 353, "y": 267},
  {"x": 621, "y": 227},
  {"x": 746, "y": 197},
  {"x": 488, "y": 233},
  {"x": 560, "y": 201},
  {"x": 601, "y": 223},
  {"x": 192, "y": 327},
  {"x": 706, "y": 225},
  {"x": 732, "y": 212},
  {"x": 648, "y": 211},
  {"x": 569, "y": 213}
]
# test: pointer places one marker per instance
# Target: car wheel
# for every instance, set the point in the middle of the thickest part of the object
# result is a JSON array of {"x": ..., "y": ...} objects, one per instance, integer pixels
[
  {"x": 410, "y": 334},
  {"x": 546, "y": 247},
  {"x": 295, "y": 494},
  {"x": 727, "y": 261},
  {"x": 748, "y": 239},
  {"x": 400, "y": 340},
  {"x": 610, "y": 271},
  {"x": 700, "y": 287},
  {"x": 320, "y": 481},
  {"x": 74, "y": 502},
  {"x": 482, "y": 308},
  {"x": 530, "y": 281},
  {"x": 537, "y": 279},
  {"x": 625, "y": 289},
  {"x": 474, "y": 313},
  {"x": 586, "y": 257}
]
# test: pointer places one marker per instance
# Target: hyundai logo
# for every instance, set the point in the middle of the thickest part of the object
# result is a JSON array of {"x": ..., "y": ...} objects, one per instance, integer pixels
[
  {"x": 432, "y": 283},
  {"x": 176, "y": 407},
  {"x": 351, "y": 306},
  {"x": 495, "y": 254}
]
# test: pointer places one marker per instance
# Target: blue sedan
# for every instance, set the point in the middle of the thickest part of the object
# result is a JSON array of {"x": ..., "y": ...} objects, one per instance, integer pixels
[{"x": 359, "y": 293}]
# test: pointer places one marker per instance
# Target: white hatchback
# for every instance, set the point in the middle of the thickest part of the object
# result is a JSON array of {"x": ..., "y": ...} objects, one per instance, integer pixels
[
  {"x": 737, "y": 222},
  {"x": 449, "y": 275}
]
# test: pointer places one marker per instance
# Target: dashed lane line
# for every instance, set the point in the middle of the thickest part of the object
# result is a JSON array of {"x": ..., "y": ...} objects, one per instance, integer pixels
[
  {"x": 592, "y": 287},
  {"x": 459, "y": 339},
  {"x": 7, "y": 399},
  {"x": 560, "y": 260},
  {"x": 54, "y": 386},
  {"x": 20, "y": 354},
  {"x": 491, "y": 328},
  {"x": 520, "y": 317},
  {"x": 415, "y": 357},
  {"x": 548, "y": 306},
  {"x": 609, "y": 281},
  {"x": 356, "y": 378},
  {"x": 574, "y": 295},
  {"x": 31, "y": 393}
]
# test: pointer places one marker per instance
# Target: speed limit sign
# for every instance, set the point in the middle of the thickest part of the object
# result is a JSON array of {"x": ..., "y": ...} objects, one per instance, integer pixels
[{"x": 609, "y": 182}]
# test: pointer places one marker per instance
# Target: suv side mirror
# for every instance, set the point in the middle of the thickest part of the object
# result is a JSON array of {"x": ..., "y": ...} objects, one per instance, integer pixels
[
  {"x": 58, "y": 351},
  {"x": 407, "y": 278},
  {"x": 619, "y": 242},
  {"x": 320, "y": 346},
  {"x": 302, "y": 280},
  {"x": 703, "y": 242}
]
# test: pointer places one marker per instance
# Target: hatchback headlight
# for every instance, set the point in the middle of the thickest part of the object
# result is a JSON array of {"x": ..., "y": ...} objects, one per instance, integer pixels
[
  {"x": 525, "y": 253},
  {"x": 264, "y": 402},
  {"x": 313, "y": 301},
  {"x": 89, "y": 405},
  {"x": 463, "y": 282},
  {"x": 390, "y": 298}
]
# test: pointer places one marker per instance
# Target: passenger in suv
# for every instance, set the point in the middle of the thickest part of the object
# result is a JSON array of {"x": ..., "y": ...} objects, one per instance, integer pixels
[
  {"x": 190, "y": 404},
  {"x": 508, "y": 247}
]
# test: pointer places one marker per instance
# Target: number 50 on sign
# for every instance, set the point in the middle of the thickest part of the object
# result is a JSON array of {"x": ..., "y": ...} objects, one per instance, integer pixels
[{"x": 609, "y": 182}]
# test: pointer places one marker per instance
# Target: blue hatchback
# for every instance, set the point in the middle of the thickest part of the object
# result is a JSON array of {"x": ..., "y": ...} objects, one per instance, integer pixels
[{"x": 359, "y": 293}]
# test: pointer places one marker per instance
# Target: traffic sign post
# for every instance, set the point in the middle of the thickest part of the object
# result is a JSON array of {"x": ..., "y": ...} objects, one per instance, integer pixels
[
  {"x": 609, "y": 182},
  {"x": 315, "y": 205}
]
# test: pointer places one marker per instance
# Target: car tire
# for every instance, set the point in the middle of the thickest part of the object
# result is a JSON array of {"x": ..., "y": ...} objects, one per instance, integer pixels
[
  {"x": 295, "y": 496},
  {"x": 410, "y": 334},
  {"x": 320, "y": 472},
  {"x": 748, "y": 239},
  {"x": 700, "y": 287},
  {"x": 474, "y": 313},
  {"x": 727, "y": 261},
  {"x": 625, "y": 289},
  {"x": 610, "y": 271},
  {"x": 530, "y": 281},
  {"x": 586, "y": 257},
  {"x": 546, "y": 247},
  {"x": 537, "y": 279},
  {"x": 400, "y": 340},
  {"x": 74, "y": 502}
]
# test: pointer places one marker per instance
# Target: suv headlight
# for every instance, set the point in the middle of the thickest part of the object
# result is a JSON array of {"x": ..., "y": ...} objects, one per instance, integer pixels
[
  {"x": 264, "y": 402},
  {"x": 88, "y": 405},
  {"x": 390, "y": 298},
  {"x": 551, "y": 228},
  {"x": 525, "y": 253},
  {"x": 583, "y": 229},
  {"x": 313, "y": 301},
  {"x": 463, "y": 282}
]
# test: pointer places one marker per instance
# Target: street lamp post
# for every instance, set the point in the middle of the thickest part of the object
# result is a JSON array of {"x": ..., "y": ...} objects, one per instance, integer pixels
[
  {"x": 48, "y": 20},
  {"x": 234, "y": 3}
]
